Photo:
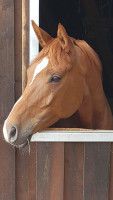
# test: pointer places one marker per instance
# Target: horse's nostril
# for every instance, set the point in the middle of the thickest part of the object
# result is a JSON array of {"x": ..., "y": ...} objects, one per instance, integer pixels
[{"x": 13, "y": 134}]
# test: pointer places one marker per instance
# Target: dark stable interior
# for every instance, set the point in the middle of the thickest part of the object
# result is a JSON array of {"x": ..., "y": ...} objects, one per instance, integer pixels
[{"x": 89, "y": 20}]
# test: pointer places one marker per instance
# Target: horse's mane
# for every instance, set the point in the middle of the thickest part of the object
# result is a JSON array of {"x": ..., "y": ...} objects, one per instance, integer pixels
[{"x": 90, "y": 54}]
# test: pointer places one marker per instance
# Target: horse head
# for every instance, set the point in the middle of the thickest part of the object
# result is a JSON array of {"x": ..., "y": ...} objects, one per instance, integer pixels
[{"x": 55, "y": 87}]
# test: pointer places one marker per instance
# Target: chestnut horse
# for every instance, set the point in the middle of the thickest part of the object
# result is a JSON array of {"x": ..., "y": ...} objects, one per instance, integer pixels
[{"x": 65, "y": 78}]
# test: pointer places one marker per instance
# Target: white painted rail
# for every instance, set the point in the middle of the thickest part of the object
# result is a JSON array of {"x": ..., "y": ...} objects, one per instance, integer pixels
[{"x": 73, "y": 136}]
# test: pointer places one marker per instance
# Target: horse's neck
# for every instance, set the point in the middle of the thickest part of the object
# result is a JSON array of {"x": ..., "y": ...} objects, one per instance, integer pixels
[{"x": 94, "y": 111}]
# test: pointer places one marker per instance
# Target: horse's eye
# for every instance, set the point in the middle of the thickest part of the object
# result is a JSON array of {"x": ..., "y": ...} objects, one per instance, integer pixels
[{"x": 55, "y": 78}]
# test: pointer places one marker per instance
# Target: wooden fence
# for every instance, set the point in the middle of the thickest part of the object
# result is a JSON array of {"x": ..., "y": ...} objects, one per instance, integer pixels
[{"x": 59, "y": 171}]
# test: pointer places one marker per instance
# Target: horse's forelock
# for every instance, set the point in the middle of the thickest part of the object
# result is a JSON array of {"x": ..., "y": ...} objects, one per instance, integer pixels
[{"x": 58, "y": 58}]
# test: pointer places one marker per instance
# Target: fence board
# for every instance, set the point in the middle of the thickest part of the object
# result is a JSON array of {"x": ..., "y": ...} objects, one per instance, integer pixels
[
  {"x": 74, "y": 171},
  {"x": 7, "y": 153},
  {"x": 73, "y": 135},
  {"x": 50, "y": 171},
  {"x": 7, "y": 172},
  {"x": 18, "y": 48},
  {"x": 96, "y": 171},
  {"x": 25, "y": 41},
  {"x": 21, "y": 166},
  {"x": 32, "y": 170},
  {"x": 111, "y": 174}
]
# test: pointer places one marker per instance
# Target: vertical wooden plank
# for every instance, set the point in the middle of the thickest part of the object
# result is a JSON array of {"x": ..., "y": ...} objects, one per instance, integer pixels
[
  {"x": 6, "y": 57},
  {"x": 32, "y": 175},
  {"x": 74, "y": 171},
  {"x": 18, "y": 48},
  {"x": 50, "y": 171},
  {"x": 25, "y": 41},
  {"x": 22, "y": 174},
  {"x": 21, "y": 160},
  {"x": 111, "y": 174},
  {"x": 7, "y": 171},
  {"x": 96, "y": 174},
  {"x": 7, "y": 153}
]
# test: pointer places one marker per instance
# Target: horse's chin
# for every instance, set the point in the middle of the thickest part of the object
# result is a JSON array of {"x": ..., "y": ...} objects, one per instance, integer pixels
[{"x": 22, "y": 145}]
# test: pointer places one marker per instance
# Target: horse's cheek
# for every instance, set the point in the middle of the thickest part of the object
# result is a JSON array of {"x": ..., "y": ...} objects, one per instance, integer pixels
[
  {"x": 69, "y": 100},
  {"x": 49, "y": 99},
  {"x": 46, "y": 100}
]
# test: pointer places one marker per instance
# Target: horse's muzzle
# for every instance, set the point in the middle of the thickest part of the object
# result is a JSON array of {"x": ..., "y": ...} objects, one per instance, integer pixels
[{"x": 12, "y": 136}]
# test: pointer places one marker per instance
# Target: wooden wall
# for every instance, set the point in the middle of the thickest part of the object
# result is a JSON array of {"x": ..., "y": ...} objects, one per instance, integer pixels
[
  {"x": 7, "y": 96},
  {"x": 70, "y": 171}
]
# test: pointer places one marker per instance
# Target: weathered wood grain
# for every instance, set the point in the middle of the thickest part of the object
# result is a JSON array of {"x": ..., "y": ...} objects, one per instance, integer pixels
[
  {"x": 96, "y": 171},
  {"x": 18, "y": 48},
  {"x": 7, "y": 153},
  {"x": 50, "y": 171},
  {"x": 111, "y": 174},
  {"x": 32, "y": 172},
  {"x": 25, "y": 41},
  {"x": 21, "y": 173},
  {"x": 74, "y": 171}
]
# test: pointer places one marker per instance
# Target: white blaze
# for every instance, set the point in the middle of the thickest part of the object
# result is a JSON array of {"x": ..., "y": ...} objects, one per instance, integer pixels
[
  {"x": 40, "y": 67},
  {"x": 5, "y": 133}
]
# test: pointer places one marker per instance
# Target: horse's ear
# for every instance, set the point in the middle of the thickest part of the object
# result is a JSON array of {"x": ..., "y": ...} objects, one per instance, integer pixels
[
  {"x": 64, "y": 38},
  {"x": 42, "y": 35}
]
